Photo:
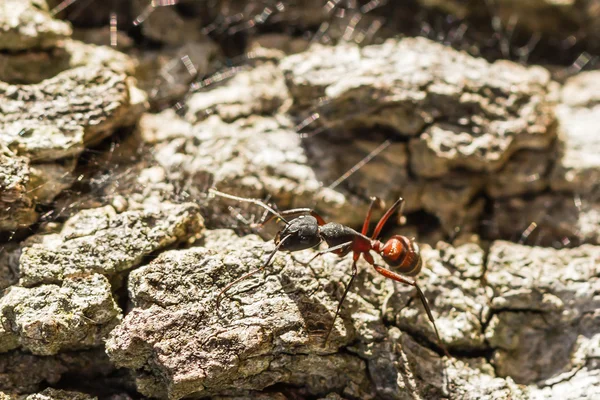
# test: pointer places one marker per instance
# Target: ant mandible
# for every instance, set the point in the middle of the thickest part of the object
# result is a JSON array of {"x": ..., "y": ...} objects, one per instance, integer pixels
[{"x": 309, "y": 229}]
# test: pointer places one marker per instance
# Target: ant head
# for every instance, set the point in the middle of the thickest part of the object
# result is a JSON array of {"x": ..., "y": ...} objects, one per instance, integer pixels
[{"x": 299, "y": 234}]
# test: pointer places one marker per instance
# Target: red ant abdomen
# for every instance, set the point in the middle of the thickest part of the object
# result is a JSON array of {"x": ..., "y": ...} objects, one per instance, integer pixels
[{"x": 403, "y": 254}]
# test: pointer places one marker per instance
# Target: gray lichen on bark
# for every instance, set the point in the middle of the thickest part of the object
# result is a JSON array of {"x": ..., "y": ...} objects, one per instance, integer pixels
[
  {"x": 49, "y": 318},
  {"x": 103, "y": 241},
  {"x": 98, "y": 102}
]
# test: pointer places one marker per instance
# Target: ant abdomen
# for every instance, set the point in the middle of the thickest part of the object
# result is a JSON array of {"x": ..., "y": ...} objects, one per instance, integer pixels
[{"x": 403, "y": 254}]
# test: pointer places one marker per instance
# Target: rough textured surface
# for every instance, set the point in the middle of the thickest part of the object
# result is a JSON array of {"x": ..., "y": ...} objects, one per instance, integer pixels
[
  {"x": 250, "y": 345},
  {"x": 9, "y": 264},
  {"x": 526, "y": 172},
  {"x": 571, "y": 216},
  {"x": 107, "y": 242},
  {"x": 559, "y": 220},
  {"x": 578, "y": 168},
  {"x": 550, "y": 17},
  {"x": 43, "y": 123},
  {"x": 50, "y": 318},
  {"x": 35, "y": 66},
  {"x": 23, "y": 185},
  {"x": 48, "y": 180},
  {"x": 83, "y": 54},
  {"x": 165, "y": 76},
  {"x": 385, "y": 176},
  {"x": 263, "y": 156},
  {"x": 22, "y": 372},
  {"x": 459, "y": 137},
  {"x": 32, "y": 66},
  {"x": 481, "y": 303},
  {"x": 269, "y": 330},
  {"x": 460, "y": 302},
  {"x": 545, "y": 321},
  {"x": 70, "y": 96},
  {"x": 467, "y": 113},
  {"x": 422, "y": 374},
  {"x": 257, "y": 155},
  {"x": 453, "y": 200},
  {"x": 16, "y": 207},
  {"x": 259, "y": 91},
  {"x": 577, "y": 384},
  {"x": 54, "y": 394},
  {"x": 27, "y": 24}
]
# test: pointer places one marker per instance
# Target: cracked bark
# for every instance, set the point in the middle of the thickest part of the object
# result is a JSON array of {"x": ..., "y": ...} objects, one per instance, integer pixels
[
  {"x": 551, "y": 18},
  {"x": 58, "y": 96},
  {"x": 269, "y": 329},
  {"x": 467, "y": 137}
]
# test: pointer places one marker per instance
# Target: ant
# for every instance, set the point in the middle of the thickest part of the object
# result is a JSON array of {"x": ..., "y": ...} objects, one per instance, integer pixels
[{"x": 309, "y": 229}]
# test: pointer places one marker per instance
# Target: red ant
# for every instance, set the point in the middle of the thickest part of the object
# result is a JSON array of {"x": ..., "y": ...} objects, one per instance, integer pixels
[{"x": 309, "y": 230}]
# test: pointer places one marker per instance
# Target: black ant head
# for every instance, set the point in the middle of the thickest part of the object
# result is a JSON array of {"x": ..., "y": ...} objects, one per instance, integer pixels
[{"x": 299, "y": 234}]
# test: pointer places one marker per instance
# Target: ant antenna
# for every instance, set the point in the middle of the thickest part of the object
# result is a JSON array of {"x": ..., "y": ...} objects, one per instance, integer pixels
[
  {"x": 253, "y": 201},
  {"x": 361, "y": 163}
]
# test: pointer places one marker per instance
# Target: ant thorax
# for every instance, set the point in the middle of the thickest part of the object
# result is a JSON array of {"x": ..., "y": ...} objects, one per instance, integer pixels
[
  {"x": 299, "y": 234},
  {"x": 336, "y": 234}
]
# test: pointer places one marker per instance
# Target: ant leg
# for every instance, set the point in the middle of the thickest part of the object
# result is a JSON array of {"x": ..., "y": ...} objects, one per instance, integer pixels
[
  {"x": 398, "y": 278},
  {"x": 365, "y": 227},
  {"x": 266, "y": 213},
  {"x": 249, "y": 274},
  {"x": 386, "y": 216},
  {"x": 339, "y": 307},
  {"x": 344, "y": 246}
]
